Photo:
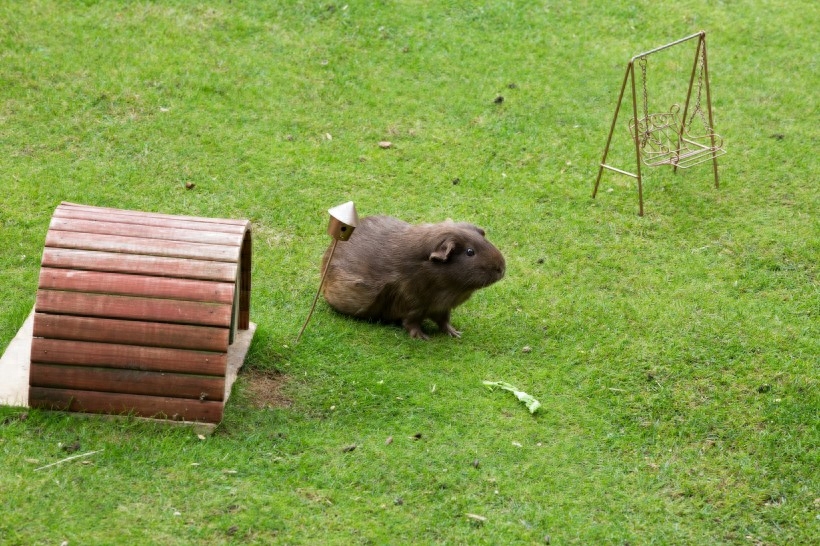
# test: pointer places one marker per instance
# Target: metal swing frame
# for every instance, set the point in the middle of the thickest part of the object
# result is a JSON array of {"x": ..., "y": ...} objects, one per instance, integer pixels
[{"x": 663, "y": 139}]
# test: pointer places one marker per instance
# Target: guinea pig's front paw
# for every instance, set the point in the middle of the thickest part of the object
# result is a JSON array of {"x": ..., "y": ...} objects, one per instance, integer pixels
[
  {"x": 414, "y": 329},
  {"x": 450, "y": 330}
]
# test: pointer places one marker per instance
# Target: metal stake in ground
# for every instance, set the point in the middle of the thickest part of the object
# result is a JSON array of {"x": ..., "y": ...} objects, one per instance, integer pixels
[{"x": 343, "y": 220}]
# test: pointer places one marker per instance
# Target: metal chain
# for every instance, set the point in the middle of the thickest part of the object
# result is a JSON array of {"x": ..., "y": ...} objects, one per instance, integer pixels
[{"x": 642, "y": 63}]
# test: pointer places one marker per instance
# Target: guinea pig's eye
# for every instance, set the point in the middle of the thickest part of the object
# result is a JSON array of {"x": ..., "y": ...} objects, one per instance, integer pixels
[{"x": 470, "y": 252}]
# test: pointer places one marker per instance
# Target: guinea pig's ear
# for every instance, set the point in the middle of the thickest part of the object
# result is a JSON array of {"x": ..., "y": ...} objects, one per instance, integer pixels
[{"x": 443, "y": 251}]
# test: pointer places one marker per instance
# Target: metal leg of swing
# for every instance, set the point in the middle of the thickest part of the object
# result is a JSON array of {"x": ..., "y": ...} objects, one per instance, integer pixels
[
  {"x": 612, "y": 127},
  {"x": 709, "y": 109},
  {"x": 600, "y": 172},
  {"x": 640, "y": 197},
  {"x": 636, "y": 140},
  {"x": 630, "y": 71},
  {"x": 701, "y": 36}
]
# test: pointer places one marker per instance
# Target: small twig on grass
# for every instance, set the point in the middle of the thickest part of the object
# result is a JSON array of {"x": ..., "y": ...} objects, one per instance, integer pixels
[
  {"x": 475, "y": 518},
  {"x": 69, "y": 458}
]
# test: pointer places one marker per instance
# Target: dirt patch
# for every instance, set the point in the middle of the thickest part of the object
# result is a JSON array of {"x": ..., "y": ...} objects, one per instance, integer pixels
[{"x": 264, "y": 389}]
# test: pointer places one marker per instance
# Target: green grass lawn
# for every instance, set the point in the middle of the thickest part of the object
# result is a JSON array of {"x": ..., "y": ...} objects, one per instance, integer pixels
[{"x": 675, "y": 355}]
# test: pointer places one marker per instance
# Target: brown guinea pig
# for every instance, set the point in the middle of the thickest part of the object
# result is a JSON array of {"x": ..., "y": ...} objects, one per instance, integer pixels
[{"x": 390, "y": 270}]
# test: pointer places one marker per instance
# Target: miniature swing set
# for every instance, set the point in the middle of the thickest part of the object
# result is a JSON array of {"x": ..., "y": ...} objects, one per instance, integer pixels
[{"x": 667, "y": 138}]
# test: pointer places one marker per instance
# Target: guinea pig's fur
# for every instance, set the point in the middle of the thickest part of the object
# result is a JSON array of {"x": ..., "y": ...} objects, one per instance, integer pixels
[{"x": 393, "y": 271}]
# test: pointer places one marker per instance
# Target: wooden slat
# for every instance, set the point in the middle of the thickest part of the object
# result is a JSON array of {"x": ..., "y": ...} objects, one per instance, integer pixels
[
  {"x": 65, "y": 205},
  {"x": 139, "y": 264},
  {"x": 136, "y": 285},
  {"x": 108, "y": 227},
  {"x": 139, "y": 245},
  {"x": 132, "y": 357},
  {"x": 134, "y": 308},
  {"x": 131, "y": 332},
  {"x": 121, "y": 404},
  {"x": 66, "y": 210},
  {"x": 200, "y": 387}
]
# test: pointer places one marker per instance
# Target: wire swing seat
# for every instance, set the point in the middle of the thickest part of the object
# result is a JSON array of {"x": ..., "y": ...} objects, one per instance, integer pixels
[
  {"x": 664, "y": 138},
  {"x": 668, "y": 138},
  {"x": 663, "y": 141}
]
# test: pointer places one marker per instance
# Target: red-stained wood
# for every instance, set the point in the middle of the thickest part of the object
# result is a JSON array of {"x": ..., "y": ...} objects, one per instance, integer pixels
[
  {"x": 200, "y": 387},
  {"x": 87, "y": 212},
  {"x": 135, "y": 308},
  {"x": 107, "y": 227},
  {"x": 131, "y": 332},
  {"x": 136, "y": 285},
  {"x": 177, "y": 409},
  {"x": 135, "y": 312},
  {"x": 132, "y": 357},
  {"x": 141, "y": 245},
  {"x": 137, "y": 264}
]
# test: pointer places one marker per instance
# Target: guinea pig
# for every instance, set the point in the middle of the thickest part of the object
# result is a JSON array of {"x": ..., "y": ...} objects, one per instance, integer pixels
[{"x": 393, "y": 271}]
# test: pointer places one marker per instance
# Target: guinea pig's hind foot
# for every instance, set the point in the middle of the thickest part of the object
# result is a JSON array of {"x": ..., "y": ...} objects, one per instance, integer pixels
[{"x": 449, "y": 330}]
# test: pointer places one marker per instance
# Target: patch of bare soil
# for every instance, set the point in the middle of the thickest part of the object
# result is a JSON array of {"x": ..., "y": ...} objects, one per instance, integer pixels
[{"x": 264, "y": 389}]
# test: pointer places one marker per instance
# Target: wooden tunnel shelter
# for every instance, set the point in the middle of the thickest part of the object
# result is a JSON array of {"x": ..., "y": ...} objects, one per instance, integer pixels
[{"x": 135, "y": 312}]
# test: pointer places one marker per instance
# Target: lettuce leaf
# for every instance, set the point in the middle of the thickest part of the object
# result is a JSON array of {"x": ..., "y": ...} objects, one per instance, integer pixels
[{"x": 531, "y": 403}]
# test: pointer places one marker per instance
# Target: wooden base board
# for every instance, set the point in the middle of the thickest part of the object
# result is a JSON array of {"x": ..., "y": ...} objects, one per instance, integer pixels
[
  {"x": 16, "y": 363},
  {"x": 14, "y": 366}
]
